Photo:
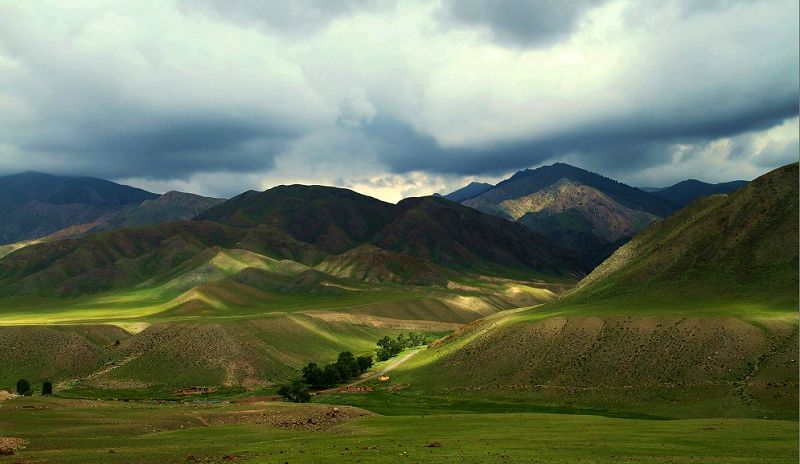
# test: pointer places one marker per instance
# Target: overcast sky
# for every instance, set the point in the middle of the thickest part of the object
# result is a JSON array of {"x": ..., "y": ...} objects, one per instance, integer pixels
[{"x": 396, "y": 98}]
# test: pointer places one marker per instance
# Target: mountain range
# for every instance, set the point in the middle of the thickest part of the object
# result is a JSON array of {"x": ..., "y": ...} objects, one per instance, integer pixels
[
  {"x": 308, "y": 225},
  {"x": 585, "y": 213},
  {"x": 37, "y": 207},
  {"x": 696, "y": 312},
  {"x": 588, "y": 214}
]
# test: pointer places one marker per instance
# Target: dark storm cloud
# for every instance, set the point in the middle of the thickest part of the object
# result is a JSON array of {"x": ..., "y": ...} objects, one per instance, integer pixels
[
  {"x": 93, "y": 107},
  {"x": 313, "y": 90},
  {"x": 636, "y": 142},
  {"x": 520, "y": 22},
  {"x": 293, "y": 17},
  {"x": 535, "y": 23},
  {"x": 169, "y": 148}
]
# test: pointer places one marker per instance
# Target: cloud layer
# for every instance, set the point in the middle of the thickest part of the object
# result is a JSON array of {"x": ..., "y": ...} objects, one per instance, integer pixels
[{"x": 396, "y": 98}]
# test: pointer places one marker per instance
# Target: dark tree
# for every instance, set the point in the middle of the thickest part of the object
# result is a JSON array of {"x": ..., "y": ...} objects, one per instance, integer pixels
[
  {"x": 386, "y": 348},
  {"x": 47, "y": 388},
  {"x": 401, "y": 343},
  {"x": 313, "y": 375},
  {"x": 23, "y": 387},
  {"x": 385, "y": 342},
  {"x": 416, "y": 338},
  {"x": 296, "y": 392},
  {"x": 347, "y": 365},
  {"x": 331, "y": 375},
  {"x": 364, "y": 363}
]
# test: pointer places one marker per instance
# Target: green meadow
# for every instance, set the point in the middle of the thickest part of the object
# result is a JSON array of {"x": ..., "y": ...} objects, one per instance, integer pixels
[{"x": 74, "y": 431}]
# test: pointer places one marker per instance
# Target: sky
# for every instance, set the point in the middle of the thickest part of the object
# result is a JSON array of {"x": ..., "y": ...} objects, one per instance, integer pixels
[{"x": 396, "y": 98}]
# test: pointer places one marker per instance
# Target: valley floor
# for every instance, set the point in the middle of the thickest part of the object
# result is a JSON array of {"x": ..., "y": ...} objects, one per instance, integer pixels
[{"x": 81, "y": 431}]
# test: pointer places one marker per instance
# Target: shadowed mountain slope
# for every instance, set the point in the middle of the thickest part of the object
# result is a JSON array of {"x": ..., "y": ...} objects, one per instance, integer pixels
[
  {"x": 117, "y": 259},
  {"x": 469, "y": 191},
  {"x": 452, "y": 235},
  {"x": 588, "y": 214},
  {"x": 298, "y": 223},
  {"x": 578, "y": 217},
  {"x": 332, "y": 219},
  {"x": 169, "y": 207}
]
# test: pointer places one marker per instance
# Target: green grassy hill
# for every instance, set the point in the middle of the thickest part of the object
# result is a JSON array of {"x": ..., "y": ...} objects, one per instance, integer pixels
[
  {"x": 739, "y": 249},
  {"x": 696, "y": 317},
  {"x": 224, "y": 332}
]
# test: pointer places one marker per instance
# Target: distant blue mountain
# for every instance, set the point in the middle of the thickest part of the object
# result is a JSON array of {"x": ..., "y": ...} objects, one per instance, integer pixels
[
  {"x": 683, "y": 193},
  {"x": 34, "y": 204}
]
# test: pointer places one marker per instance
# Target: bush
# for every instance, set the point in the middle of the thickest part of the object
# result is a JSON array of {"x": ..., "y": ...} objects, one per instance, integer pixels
[
  {"x": 296, "y": 392},
  {"x": 47, "y": 388},
  {"x": 24, "y": 387}
]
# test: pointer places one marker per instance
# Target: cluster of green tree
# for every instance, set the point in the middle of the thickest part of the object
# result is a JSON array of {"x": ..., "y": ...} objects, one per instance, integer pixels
[
  {"x": 390, "y": 347},
  {"x": 345, "y": 368},
  {"x": 24, "y": 388}
]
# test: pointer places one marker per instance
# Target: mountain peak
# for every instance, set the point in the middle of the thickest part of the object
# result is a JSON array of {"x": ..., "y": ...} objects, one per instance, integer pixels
[
  {"x": 471, "y": 190},
  {"x": 531, "y": 180}
]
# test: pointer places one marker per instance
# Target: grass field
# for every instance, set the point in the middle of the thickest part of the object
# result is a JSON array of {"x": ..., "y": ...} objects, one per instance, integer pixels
[{"x": 74, "y": 431}]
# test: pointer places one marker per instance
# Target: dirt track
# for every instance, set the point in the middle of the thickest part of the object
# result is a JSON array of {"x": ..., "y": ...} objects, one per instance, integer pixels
[{"x": 388, "y": 368}]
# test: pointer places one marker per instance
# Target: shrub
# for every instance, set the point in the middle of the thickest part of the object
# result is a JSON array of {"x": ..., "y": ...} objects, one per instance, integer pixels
[
  {"x": 47, "y": 388},
  {"x": 23, "y": 387}
]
